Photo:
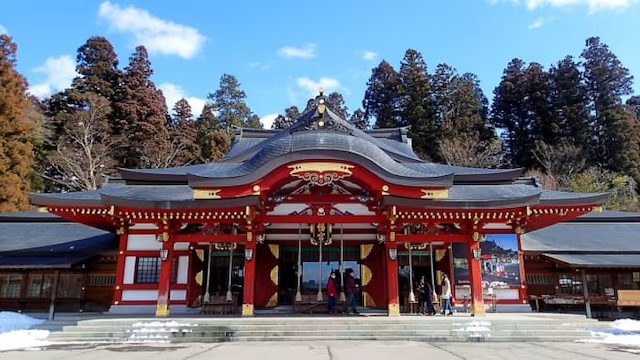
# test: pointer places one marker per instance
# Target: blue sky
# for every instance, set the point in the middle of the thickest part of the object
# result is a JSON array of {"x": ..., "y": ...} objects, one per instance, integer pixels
[{"x": 283, "y": 51}]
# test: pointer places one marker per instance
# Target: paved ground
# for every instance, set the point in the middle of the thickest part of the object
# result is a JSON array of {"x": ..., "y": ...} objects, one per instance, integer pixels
[{"x": 330, "y": 351}]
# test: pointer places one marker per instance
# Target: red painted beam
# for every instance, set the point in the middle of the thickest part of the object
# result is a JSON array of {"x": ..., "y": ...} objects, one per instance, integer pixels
[
  {"x": 400, "y": 238},
  {"x": 222, "y": 238},
  {"x": 316, "y": 219}
]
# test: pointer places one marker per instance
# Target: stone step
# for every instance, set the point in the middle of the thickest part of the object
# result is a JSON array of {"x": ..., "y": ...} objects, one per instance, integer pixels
[{"x": 458, "y": 338}]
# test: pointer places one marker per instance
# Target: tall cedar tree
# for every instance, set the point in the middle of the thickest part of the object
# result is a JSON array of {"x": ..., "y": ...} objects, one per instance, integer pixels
[
  {"x": 359, "y": 120},
  {"x": 183, "y": 134},
  {"x": 510, "y": 112},
  {"x": 634, "y": 103},
  {"x": 97, "y": 65},
  {"x": 213, "y": 141},
  {"x": 461, "y": 107},
  {"x": 229, "y": 102},
  {"x": 291, "y": 115},
  {"x": 144, "y": 109},
  {"x": 335, "y": 102},
  {"x": 569, "y": 102},
  {"x": 382, "y": 99},
  {"x": 614, "y": 141},
  {"x": 545, "y": 127},
  {"x": 417, "y": 106},
  {"x": 16, "y": 155}
]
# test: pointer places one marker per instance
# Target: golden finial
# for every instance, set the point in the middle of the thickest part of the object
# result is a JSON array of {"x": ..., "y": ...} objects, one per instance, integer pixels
[{"x": 321, "y": 91}]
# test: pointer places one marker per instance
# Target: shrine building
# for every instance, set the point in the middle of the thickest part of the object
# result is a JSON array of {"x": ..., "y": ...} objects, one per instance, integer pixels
[{"x": 264, "y": 227}]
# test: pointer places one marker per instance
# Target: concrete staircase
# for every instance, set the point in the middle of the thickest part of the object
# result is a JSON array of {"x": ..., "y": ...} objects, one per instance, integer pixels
[{"x": 503, "y": 327}]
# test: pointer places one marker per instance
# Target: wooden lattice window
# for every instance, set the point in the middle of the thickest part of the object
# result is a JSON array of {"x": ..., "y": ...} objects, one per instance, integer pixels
[
  {"x": 10, "y": 286},
  {"x": 148, "y": 270},
  {"x": 97, "y": 280}
]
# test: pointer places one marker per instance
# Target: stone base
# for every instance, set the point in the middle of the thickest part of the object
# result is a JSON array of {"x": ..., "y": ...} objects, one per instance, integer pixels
[
  {"x": 247, "y": 309},
  {"x": 394, "y": 310},
  {"x": 162, "y": 310},
  {"x": 477, "y": 309}
]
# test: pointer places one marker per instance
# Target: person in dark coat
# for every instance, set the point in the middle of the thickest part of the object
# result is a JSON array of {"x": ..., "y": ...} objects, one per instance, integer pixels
[
  {"x": 350, "y": 289},
  {"x": 331, "y": 293},
  {"x": 425, "y": 294}
]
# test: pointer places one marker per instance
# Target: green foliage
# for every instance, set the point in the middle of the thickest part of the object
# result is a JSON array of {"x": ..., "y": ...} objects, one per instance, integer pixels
[
  {"x": 16, "y": 138},
  {"x": 359, "y": 120},
  {"x": 291, "y": 115},
  {"x": 183, "y": 134},
  {"x": 622, "y": 188},
  {"x": 382, "y": 97},
  {"x": 229, "y": 103},
  {"x": 213, "y": 142}
]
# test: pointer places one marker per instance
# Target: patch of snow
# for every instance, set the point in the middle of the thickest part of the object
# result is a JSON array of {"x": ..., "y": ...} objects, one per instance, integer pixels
[
  {"x": 623, "y": 332},
  {"x": 14, "y": 333},
  {"x": 11, "y": 321}
]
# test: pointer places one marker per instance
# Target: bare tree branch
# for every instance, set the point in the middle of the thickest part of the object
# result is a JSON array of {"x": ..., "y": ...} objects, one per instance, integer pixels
[{"x": 470, "y": 152}]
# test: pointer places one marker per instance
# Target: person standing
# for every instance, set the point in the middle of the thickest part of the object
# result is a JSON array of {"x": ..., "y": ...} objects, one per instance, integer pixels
[
  {"x": 350, "y": 288},
  {"x": 446, "y": 295},
  {"x": 331, "y": 292},
  {"x": 426, "y": 298}
]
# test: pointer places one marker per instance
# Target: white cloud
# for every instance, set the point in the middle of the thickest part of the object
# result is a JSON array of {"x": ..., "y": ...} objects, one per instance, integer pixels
[
  {"x": 173, "y": 93},
  {"x": 369, "y": 55},
  {"x": 3, "y": 30},
  {"x": 594, "y": 5},
  {"x": 267, "y": 120},
  {"x": 536, "y": 24},
  {"x": 157, "y": 35},
  {"x": 259, "y": 65},
  {"x": 313, "y": 87},
  {"x": 58, "y": 74},
  {"x": 306, "y": 52}
]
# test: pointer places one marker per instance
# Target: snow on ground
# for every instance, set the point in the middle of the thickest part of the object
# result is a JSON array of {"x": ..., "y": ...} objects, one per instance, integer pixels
[
  {"x": 14, "y": 333},
  {"x": 624, "y": 332}
]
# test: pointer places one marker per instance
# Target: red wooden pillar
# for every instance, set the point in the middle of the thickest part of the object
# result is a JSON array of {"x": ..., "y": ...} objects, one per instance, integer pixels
[
  {"x": 248, "y": 288},
  {"x": 391, "y": 262},
  {"x": 523, "y": 276},
  {"x": 475, "y": 278},
  {"x": 120, "y": 263},
  {"x": 164, "y": 283}
]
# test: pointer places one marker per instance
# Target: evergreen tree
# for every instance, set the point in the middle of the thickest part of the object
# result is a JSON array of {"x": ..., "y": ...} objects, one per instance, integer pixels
[
  {"x": 213, "y": 142},
  {"x": 569, "y": 102},
  {"x": 545, "y": 127},
  {"x": 254, "y": 122},
  {"x": 97, "y": 65},
  {"x": 335, "y": 102},
  {"x": 382, "y": 97},
  {"x": 614, "y": 144},
  {"x": 183, "y": 134},
  {"x": 359, "y": 120},
  {"x": 229, "y": 102},
  {"x": 510, "y": 112},
  {"x": 16, "y": 155},
  {"x": 634, "y": 104},
  {"x": 144, "y": 109},
  {"x": 291, "y": 115},
  {"x": 416, "y": 106}
]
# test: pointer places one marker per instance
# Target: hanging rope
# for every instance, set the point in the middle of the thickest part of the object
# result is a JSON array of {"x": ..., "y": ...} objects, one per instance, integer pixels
[
  {"x": 412, "y": 296},
  {"x": 320, "y": 298},
  {"x": 229, "y": 295},
  {"x": 207, "y": 296},
  {"x": 299, "y": 270},
  {"x": 343, "y": 297}
]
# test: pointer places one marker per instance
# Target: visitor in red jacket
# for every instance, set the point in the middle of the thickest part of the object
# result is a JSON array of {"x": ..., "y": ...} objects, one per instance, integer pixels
[{"x": 331, "y": 292}]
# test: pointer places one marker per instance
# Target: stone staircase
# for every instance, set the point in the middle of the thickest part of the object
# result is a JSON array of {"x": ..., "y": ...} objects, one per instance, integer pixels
[{"x": 506, "y": 327}]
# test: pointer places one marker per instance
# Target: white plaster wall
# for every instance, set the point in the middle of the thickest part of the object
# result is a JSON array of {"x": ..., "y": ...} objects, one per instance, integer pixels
[
  {"x": 139, "y": 295},
  {"x": 178, "y": 295},
  {"x": 129, "y": 269},
  {"x": 152, "y": 295},
  {"x": 183, "y": 269},
  {"x": 143, "y": 242},
  {"x": 144, "y": 227},
  {"x": 507, "y": 294},
  {"x": 181, "y": 246}
]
